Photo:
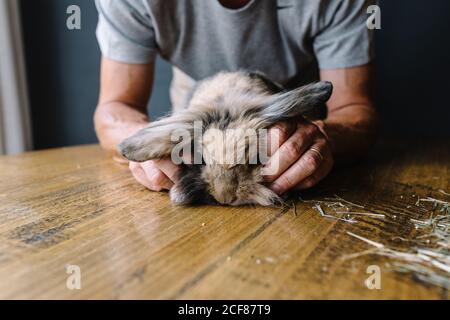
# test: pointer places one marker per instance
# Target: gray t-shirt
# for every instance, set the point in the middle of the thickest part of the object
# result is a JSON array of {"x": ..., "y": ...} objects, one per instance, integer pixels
[{"x": 288, "y": 40}]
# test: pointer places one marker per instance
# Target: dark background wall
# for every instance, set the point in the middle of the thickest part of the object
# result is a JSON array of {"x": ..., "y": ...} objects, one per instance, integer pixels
[
  {"x": 63, "y": 72},
  {"x": 413, "y": 67},
  {"x": 413, "y": 70}
]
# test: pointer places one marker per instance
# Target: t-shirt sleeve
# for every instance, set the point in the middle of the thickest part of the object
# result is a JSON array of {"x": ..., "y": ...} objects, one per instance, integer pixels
[
  {"x": 343, "y": 39},
  {"x": 125, "y": 32}
]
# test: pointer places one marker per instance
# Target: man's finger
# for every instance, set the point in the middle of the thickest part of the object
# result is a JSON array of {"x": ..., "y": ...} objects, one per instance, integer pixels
[
  {"x": 277, "y": 135},
  {"x": 316, "y": 177},
  {"x": 139, "y": 174},
  {"x": 287, "y": 154},
  {"x": 168, "y": 168},
  {"x": 157, "y": 179},
  {"x": 307, "y": 165}
]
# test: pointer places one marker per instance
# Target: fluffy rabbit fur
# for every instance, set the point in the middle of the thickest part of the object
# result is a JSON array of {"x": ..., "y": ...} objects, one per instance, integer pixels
[{"x": 228, "y": 100}]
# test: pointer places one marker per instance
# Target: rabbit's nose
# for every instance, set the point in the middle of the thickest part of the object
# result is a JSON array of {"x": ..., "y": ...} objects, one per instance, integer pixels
[
  {"x": 224, "y": 195},
  {"x": 226, "y": 199}
]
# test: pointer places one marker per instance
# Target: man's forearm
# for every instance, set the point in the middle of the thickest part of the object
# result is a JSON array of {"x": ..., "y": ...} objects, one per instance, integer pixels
[
  {"x": 115, "y": 121},
  {"x": 351, "y": 130}
]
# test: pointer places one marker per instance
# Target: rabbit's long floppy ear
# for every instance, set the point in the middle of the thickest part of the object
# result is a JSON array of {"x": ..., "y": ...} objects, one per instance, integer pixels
[
  {"x": 302, "y": 101},
  {"x": 157, "y": 140}
]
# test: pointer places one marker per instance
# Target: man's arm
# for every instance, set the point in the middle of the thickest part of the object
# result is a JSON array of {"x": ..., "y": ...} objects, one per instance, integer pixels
[
  {"x": 304, "y": 155},
  {"x": 122, "y": 107},
  {"x": 352, "y": 121},
  {"x": 122, "y": 110}
]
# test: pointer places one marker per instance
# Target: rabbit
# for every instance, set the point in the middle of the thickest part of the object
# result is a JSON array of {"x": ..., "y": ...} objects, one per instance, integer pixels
[{"x": 228, "y": 100}]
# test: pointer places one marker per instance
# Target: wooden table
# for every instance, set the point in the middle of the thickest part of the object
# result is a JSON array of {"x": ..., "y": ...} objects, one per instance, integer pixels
[{"x": 75, "y": 207}]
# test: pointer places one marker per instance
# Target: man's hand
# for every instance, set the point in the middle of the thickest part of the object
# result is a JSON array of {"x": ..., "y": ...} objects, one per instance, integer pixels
[
  {"x": 300, "y": 156},
  {"x": 307, "y": 151},
  {"x": 156, "y": 175}
]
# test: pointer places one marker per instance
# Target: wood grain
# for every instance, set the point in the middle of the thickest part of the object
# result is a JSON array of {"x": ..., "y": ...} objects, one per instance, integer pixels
[{"x": 74, "y": 206}]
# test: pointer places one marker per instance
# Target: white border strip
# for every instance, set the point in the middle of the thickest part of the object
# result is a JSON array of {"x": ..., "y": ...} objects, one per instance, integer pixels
[{"x": 15, "y": 124}]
